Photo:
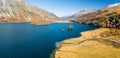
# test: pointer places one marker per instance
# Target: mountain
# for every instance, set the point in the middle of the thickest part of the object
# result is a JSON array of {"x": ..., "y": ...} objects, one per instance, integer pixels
[
  {"x": 20, "y": 11},
  {"x": 108, "y": 17},
  {"x": 78, "y": 15}
]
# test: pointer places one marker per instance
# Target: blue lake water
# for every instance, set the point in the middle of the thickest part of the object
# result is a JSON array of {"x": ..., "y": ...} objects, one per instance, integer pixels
[{"x": 24, "y": 40}]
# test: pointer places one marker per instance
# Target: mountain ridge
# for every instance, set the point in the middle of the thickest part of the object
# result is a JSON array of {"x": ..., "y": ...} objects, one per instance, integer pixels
[
  {"x": 78, "y": 14},
  {"x": 108, "y": 17},
  {"x": 20, "y": 11}
]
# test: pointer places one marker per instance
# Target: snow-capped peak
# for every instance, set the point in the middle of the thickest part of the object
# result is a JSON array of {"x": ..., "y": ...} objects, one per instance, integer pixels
[{"x": 113, "y": 5}]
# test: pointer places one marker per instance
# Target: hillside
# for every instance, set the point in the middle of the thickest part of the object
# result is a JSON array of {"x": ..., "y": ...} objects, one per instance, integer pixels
[
  {"x": 78, "y": 14},
  {"x": 108, "y": 17},
  {"x": 20, "y": 11},
  {"x": 98, "y": 43}
]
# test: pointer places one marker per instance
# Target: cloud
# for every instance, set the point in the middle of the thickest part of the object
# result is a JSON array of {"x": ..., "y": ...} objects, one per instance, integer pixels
[{"x": 112, "y": 5}]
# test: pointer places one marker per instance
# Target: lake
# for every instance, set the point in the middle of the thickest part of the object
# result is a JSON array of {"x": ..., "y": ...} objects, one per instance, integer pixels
[{"x": 24, "y": 40}]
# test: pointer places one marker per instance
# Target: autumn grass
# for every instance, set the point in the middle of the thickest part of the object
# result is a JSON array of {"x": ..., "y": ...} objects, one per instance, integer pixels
[
  {"x": 42, "y": 22},
  {"x": 98, "y": 45}
]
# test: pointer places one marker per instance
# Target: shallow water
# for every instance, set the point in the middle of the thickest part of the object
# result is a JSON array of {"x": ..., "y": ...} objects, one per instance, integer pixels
[{"x": 24, "y": 40}]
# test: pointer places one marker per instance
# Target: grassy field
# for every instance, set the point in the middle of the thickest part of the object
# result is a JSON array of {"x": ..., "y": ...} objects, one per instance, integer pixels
[
  {"x": 42, "y": 22},
  {"x": 100, "y": 47}
]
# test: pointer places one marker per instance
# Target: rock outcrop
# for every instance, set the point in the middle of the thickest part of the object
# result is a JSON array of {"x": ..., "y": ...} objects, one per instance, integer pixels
[{"x": 20, "y": 11}]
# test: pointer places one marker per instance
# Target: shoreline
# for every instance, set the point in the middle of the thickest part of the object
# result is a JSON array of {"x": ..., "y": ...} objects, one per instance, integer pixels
[
  {"x": 15, "y": 22},
  {"x": 23, "y": 22},
  {"x": 90, "y": 40},
  {"x": 43, "y": 23},
  {"x": 40, "y": 24},
  {"x": 62, "y": 22},
  {"x": 52, "y": 55}
]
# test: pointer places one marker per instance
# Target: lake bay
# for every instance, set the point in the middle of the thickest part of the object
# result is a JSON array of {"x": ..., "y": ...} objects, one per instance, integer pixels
[{"x": 24, "y": 40}]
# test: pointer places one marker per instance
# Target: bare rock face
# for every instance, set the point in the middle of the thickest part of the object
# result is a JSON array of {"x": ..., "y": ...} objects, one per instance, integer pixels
[{"x": 20, "y": 11}]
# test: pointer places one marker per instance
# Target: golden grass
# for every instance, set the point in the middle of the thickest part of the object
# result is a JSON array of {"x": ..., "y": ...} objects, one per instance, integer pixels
[
  {"x": 42, "y": 22},
  {"x": 93, "y": 48}
]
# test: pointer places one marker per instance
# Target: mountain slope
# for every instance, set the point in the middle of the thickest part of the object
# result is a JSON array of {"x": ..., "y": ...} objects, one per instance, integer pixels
[
  {"x": 20, "y": 11},
  {"x": 78, "y": 15},
  {"x": 107, "y": 17}
]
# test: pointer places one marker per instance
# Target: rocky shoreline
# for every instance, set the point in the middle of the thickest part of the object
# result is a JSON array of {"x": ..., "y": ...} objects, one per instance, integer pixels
[{"x": 99, "y": 43}]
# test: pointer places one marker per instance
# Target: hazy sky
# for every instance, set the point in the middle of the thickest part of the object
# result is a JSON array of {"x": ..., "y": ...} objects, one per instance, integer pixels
[{"x": 68, "y": 7}]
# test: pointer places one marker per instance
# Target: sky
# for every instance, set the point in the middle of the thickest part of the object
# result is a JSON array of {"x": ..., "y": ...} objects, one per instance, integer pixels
[{"x": 69, "y": 7}]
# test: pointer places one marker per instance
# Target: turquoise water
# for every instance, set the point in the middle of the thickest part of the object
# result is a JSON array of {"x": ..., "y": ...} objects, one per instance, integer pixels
[{"x": 24, "y": 40}]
